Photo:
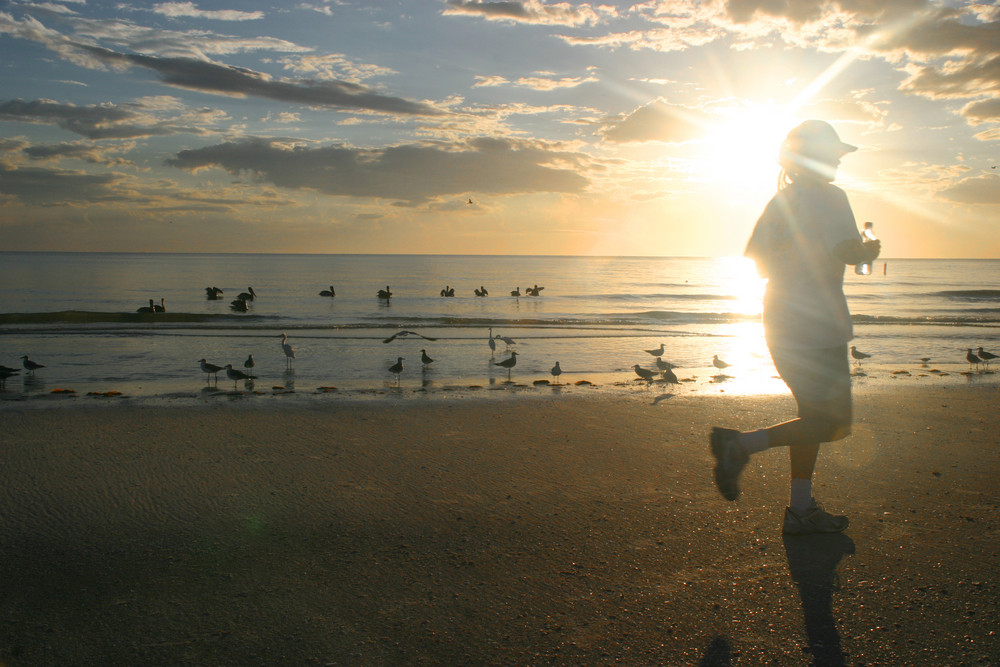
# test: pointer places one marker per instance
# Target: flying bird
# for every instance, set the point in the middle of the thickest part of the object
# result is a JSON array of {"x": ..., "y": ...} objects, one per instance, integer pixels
[{"x": 404, "y": 334}]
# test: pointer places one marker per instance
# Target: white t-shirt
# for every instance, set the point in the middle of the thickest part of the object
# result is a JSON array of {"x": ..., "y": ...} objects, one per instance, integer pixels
[{"x": 793, "y": 242}]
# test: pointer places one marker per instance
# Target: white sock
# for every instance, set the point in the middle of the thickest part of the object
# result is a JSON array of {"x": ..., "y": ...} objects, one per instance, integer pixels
[
  {"x": 755, "y": 441},
  {"x": 801, "y": 494}
]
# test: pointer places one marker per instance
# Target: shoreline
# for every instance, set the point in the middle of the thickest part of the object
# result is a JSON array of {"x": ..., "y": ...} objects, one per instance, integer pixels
[
  {"x": 583, "y": 529},
  {"x": 694, "y": 382}
]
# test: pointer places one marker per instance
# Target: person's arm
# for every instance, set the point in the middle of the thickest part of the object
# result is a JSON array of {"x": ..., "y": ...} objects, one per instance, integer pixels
[{"x": 856, "y": 251}]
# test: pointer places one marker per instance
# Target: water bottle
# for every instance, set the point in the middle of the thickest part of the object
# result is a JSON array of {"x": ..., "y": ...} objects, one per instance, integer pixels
[{"x": 865, "y": 268}]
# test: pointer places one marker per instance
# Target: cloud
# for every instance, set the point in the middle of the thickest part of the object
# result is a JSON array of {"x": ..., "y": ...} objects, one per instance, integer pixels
[
  {"x": 657, "y": 121},
  {"x": 412, "y": 174},
  {"x": 188, "y": 10},
  {"x": 106, "y": 121},
  {"x": 529, "y": 11},
  {"x": 52, "y": 187},
  {"x": 335, "y": 66},
  {"x": 75, "y": 150},
  {"x": 984, "y": 189},
  {"x": 982, "y": 111},
  {"x": 957, "y": 80},
  {"x": 239, "y": 82},
  {"x": 541, "y": 81}
]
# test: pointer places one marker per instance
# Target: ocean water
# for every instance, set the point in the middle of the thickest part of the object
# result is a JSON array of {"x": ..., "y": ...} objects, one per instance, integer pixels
[{"x": 76, "y": 314}]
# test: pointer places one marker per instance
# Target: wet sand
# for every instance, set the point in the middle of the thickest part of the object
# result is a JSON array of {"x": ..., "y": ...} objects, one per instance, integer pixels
[{"x": 563, "y": 530}]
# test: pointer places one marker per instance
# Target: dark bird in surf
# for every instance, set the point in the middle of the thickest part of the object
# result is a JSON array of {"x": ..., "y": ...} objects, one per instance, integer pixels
[
  {"x": 249, "y": 363},
  {"x": 425, "y": 359},
  {"x": 213, "y": 293},
  {"x": 492, "y": 343},
  {"x": 534, "y": 291},
  {"x": 668, "y": 375},
  {"x": 29, "y": 365},
  {"x": 240, "y": 305},
  {"x": 481, "y": 291},
  {"x": 147, "y": 309},
  {"x": 556, "y": 372},
  {"x": 397, "y": 368},
  {"x": 236, "y": 375},
  {"x": 972, "y": 359},
  {"x": 249, "y": 295},
  {"x": 385, "y": 293},
  {"x": 328, "y": 292},
  {"x": 6, "y": 372},
  {"x": 858, "y": 355},
  {"x": 162, "y": 308},
  {"x": 210, "y": 369},
  {"x": 507, "y": 363},
  {"x": 288, "y": 350},
  {"x": 404, "y": 334},
  {"x": 987, "y": 357},
  {"x": 516, "y": 292}
]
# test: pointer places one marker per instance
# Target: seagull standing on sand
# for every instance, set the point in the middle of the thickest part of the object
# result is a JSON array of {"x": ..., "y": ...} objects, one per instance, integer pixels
[
  {"x": 643, "y": 373},
  {"x": 210, "y": 369},
  {"x": 507, "y": 363},
  {"x": 987, "y": 357},
  {"x": 719, "y": 363},
  {"x": 556, "y": 372},
  {"x": 288, "y": 350},
  {"x": 668, "y": 375},
  {"x": 30, "y": 365},
  {"x": 658, "y": 352},
  {"x": 507, "y": 340},
  {"x": 249, "y": 363},
  {"x": 858, "y": 355},
  {"x": 236, "y": 375},
  {"x": 397, "y": 368},
  {"x": 969, "y": 356},
  {"x": 424, "y": 359}
]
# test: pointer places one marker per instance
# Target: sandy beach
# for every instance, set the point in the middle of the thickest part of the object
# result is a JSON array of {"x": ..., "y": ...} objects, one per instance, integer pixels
[{"x": 563, "y": 530}]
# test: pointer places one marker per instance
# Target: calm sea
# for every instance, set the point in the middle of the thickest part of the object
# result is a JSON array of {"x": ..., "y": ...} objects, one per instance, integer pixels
[{"x": 76, "y": 314}]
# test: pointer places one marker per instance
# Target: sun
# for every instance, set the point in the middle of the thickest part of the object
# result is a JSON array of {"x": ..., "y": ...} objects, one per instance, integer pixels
[{"x": 739, "y": 152}]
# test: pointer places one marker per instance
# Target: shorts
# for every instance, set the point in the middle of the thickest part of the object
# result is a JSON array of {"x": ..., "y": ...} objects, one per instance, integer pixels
[{"x": 820, "y": 380}]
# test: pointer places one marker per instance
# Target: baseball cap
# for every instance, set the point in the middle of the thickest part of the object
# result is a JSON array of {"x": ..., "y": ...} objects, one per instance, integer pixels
[{"x": 816, "y": 136}]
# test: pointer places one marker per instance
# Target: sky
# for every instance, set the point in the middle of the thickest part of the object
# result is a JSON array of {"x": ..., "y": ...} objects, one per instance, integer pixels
[{"x": 479, "y": 127}]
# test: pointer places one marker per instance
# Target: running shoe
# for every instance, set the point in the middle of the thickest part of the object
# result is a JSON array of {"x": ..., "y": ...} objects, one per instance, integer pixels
[
  {"x": 813, "y": 520},
  {"x": 730, "y": 459}
]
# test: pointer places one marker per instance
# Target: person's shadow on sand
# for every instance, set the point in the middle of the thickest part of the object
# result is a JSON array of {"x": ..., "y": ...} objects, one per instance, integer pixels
[{"x": 812, "y": 562}]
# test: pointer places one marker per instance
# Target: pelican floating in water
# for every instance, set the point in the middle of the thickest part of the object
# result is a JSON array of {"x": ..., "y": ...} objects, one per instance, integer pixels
[
  {"x": 288, "y": 350},
  {"x": 516, "y": 292},
  {"x": 147, "y": 309},
  {"x": 249, "y": 295},
  {"x": 534, "y": 291},
  {"x": 481, "y": 291},
  {"x": 385, "y": 293},
  {"x": 328, "y": 292},
  {"x": 162, "y": 308},
  {"x": 213, "y": 293},
  {"x": 240, "y": 305}
]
